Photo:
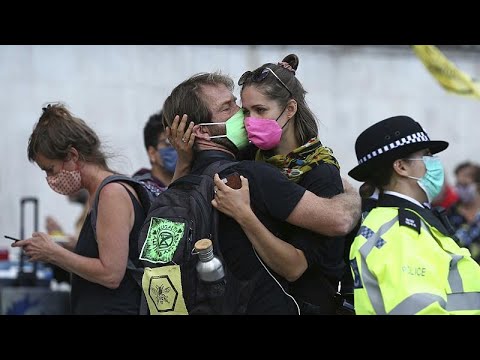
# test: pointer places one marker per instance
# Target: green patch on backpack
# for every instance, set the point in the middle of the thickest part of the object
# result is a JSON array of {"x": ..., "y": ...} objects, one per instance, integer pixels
[{"x": 162, "y": 240}]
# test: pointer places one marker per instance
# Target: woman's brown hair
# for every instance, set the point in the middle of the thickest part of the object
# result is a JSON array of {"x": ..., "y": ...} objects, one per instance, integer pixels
[{"x": 57, "y": 131}]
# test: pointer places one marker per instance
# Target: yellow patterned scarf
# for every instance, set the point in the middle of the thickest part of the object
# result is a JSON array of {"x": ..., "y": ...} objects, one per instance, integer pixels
[{"x": 301, "y": 160}]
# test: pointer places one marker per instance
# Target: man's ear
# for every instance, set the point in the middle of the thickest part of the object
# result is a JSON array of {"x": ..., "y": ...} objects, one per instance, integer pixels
[
  {"x": 201, "y": 132},
  {"x": 151, "y": 153}
]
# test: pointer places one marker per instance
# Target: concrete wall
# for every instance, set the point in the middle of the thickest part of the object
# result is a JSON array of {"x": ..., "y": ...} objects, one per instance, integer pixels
[{"x": 116, "y": 88}]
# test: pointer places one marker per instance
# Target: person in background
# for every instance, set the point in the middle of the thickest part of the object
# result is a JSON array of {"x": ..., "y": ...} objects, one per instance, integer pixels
[
  {"x": 404, "y": 260},
  {"x": 465, "y": 190},
  {"x": 465, "y": 215},
  {"x": 464, "y": 173},
  {"x": 68, "y": 150},
  {"x": 68, "y": 241},
  {"x": 162, "y": 156}
]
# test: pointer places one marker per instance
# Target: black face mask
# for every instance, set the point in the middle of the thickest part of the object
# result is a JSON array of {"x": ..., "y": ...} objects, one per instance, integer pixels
[{"x": 80, "y": 197}]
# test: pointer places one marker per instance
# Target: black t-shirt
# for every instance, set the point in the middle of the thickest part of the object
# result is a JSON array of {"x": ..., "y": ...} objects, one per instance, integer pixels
[
  {"x": 324, "y": 254},
  {"x": 327, "y": 263},
  {"x": 273, "y": 197}
]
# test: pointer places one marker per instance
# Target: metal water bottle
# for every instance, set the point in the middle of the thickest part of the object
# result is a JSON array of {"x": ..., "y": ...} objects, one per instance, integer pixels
[{"x": 209, "y": 267}]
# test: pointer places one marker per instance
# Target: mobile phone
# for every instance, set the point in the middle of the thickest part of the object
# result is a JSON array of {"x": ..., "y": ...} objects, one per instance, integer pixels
[
  {"x": 11, "y": 238},
  {"x": 233, "y": 180}
]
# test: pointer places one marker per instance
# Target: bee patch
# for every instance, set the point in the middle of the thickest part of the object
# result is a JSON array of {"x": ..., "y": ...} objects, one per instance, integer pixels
[{"x": 162, "y": 287}]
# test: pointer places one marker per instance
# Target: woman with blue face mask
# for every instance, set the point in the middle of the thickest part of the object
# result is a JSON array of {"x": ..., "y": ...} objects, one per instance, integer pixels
[{"x": 404, "y": 258}]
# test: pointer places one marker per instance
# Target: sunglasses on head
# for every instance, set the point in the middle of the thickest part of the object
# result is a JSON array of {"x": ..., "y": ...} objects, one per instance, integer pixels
[{"x": 259, "y": 76}]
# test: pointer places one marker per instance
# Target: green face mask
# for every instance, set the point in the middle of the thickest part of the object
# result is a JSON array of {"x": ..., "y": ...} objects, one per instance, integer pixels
[{"x": 236, "y": 132}]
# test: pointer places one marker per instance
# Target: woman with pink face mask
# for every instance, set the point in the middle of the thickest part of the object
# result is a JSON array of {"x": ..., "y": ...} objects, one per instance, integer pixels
[
  {"x": 283, "y": 131},
  {"x": 68, "y": 150}
]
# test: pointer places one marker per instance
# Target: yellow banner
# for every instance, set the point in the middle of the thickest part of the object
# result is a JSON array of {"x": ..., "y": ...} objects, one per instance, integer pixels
[{"x": 447, "y": 74}]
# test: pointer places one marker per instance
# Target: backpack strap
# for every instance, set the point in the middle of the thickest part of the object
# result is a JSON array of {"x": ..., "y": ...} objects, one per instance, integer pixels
[
  {"x": 144, "y": 177},
  {"x": 210, "y": 170},
  {"x": 137, "y": 274},
  {"x": 218, "y": 167},
  {"x": 142, "y": 193}
]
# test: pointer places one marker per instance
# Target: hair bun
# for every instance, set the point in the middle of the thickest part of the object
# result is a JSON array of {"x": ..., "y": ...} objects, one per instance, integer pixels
[{"x": 290, "y": 62}]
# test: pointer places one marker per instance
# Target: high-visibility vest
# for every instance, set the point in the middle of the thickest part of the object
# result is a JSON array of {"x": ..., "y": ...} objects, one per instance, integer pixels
[{"x": 410, "y": 267}]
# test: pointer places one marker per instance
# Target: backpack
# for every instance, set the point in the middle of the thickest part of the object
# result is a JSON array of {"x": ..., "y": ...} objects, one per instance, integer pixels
[{"x": 179, "y": 217}]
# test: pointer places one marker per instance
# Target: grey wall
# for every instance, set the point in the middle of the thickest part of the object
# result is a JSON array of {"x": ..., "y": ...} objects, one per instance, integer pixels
[{"x": 116, "y": 88}]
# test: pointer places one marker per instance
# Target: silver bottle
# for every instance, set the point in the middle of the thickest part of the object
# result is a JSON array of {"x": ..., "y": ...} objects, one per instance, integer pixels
[{"x": 209, "y": 267}]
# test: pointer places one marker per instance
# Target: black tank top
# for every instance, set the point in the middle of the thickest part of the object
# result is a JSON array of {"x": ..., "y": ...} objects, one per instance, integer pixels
[{"x": 92, "y": 298}]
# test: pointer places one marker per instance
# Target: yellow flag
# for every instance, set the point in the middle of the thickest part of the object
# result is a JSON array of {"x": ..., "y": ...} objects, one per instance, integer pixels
[{"x": 447, "y": 74}]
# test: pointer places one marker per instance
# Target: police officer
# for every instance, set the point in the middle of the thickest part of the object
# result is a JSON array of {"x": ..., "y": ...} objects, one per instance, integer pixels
[{"x": 403, "y": 259}]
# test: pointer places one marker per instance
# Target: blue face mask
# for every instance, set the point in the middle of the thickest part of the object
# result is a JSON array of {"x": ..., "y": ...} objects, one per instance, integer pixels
[
  {"x": 432, "y": 182},
  {"x": 169, "y": 158}
]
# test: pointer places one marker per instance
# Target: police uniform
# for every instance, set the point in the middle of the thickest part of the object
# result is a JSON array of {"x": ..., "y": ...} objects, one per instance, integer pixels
[
  {"x": 404, "y": 262},
  {"x": 403, "y": 259}
]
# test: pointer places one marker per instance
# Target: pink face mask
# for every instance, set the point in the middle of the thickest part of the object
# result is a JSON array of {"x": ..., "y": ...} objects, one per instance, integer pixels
[
  {"x": 263, "y": 133},
  {"x": 65, "y": 182}
]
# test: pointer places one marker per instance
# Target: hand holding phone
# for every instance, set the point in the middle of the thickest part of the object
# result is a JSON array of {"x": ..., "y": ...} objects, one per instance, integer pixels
[{"x": 233, "y": 180}]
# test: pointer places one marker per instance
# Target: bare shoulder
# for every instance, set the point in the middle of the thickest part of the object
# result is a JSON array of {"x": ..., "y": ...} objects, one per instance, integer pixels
[
  {"x": 117, "y": 190},
  {"x": 113, "y": 191}
]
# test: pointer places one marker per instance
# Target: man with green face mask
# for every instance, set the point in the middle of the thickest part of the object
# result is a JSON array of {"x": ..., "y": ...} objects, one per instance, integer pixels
[
  {"x": 235, "y": 130},
  {"x": 219, "y": 132}
]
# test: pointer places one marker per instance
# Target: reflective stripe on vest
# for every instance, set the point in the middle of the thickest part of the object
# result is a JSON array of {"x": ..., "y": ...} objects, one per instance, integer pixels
[
  {"x": 416, "y": 302},
  {"x": 454, "y": 278},
  {"x": 459, "y": 300},
  {"x": 463, "y": 301},
  {"x": 370, "y": 282}
]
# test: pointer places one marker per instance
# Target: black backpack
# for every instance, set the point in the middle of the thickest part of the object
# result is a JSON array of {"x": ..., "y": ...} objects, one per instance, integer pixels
[{"x": 179, "y": 217}]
